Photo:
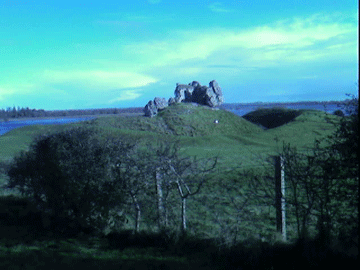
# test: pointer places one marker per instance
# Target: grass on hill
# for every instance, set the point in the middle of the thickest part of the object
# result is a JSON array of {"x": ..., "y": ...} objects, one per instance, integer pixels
[
  {"x": 239, "y": 143},
  {"x": 235, "y": 140}
]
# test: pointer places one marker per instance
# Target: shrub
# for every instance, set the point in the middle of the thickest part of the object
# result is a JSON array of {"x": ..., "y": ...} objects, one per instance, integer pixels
[
  {"x": 272, "y": 118},
  {"x": 67, "y": 175},
  {"x": 338, "y": 113}
]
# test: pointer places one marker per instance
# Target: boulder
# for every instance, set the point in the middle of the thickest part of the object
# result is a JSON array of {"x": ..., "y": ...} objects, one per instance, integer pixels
[
  {"x": 195, "y": 84},
  {"x": 154, "y": 106},
  {"x": 183, "y": 92},
  {"x": 171, "y": 101},
  {"x": 218, "y": 96},
  {"x": 193, "y": 92},
  {"x": 160, "y": 103},
  {"x": 150, "y": 109}
]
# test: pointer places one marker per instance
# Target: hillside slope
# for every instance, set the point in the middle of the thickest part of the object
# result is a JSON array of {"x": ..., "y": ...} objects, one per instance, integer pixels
[
  {"x": 185, "y": 119},
  {"x": 233, "y": 138}
]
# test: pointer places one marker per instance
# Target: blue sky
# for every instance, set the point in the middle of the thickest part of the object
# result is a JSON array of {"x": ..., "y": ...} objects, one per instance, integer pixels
[{"x": 103, "y": 54}]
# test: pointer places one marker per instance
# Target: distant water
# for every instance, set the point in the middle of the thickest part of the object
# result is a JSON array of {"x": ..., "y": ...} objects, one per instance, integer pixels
[
  {"x": 330, "y": 108},
  {"x": 244, "y": 109},
  {"x": 7, "y": 126}
]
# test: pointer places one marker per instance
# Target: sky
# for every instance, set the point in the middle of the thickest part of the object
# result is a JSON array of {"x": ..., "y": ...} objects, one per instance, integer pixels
[{"x": 58, "y": 55}]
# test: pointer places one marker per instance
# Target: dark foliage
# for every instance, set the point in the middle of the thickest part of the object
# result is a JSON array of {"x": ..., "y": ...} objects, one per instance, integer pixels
[
  {"x": 301, "y": 255},
  {"x": 272, "y": 118},
  {"x": 67, "y": 175},
  {"x": 339, "y": 113},
  {"x": 322, "y": 185},
  {"x": 129, "y": 238}
]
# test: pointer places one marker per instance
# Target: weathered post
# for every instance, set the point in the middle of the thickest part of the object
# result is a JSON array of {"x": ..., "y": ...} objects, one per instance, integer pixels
[{"x": 280, "y": 196}]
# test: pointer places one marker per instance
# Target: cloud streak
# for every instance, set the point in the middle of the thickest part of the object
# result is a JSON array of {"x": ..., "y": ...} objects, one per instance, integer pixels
[
  {"x": 118, "y": 67},
  {"x": 99, "y": 80},
  {"x": 126, "y": 95},
  {"x": 291, "y": 41},
  {"x": 218, "y": 7},
  {"x": 5, "y": 92}
]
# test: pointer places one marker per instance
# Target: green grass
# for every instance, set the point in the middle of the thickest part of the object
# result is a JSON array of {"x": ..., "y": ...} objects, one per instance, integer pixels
[
  {"x": 237, "y": 142},
  {"x": 75, "y": 254},
  {"x": 194, "y": 128},
  {"x": 16, "y": 140},
  {"x": 191, "y": 253}
]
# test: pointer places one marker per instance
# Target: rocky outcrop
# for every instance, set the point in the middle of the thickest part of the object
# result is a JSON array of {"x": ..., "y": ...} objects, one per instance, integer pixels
[
  {"x": 183, "y": 92},
  {"x": 153, "y": 106},
  {"x": 160, "y": 103},
  {"x": 193, "y": 92}
]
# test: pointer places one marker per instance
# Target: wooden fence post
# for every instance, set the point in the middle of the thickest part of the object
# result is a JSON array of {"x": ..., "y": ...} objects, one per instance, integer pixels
[{"x": 280, "y": 196}]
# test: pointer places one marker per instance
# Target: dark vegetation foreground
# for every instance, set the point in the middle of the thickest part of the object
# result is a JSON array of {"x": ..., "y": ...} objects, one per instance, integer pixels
[
  {"x": 27, "y": 244},
  {"x": 87, "y": 195}
]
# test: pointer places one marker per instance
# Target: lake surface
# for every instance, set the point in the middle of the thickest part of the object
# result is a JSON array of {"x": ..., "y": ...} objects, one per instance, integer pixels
[
  {"x": 242, "y": 110},
  {"x": 7, "y": 126}
]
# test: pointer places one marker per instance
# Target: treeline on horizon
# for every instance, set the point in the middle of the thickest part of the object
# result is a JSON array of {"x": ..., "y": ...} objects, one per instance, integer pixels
[
  {"x": 17, "y": 112},
  {"x": 234, "y": 106},
  {"x": 21, "y": 112}
]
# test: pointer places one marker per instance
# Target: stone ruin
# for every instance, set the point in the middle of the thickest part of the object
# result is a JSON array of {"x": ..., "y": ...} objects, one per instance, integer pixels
[{"x": 193, "y": 93}]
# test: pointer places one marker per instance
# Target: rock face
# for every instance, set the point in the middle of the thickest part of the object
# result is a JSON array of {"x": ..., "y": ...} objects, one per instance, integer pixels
[
  {"x": 183, "y": 92},
  {"x": 153, "y": 106},
  {"x": 193, "y": 92},
  {"x": 160, "y": 103}
]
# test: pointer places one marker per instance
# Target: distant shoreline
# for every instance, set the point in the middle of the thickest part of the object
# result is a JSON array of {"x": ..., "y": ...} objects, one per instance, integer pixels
[
  {"x": 135, "y": 111},
  {"x": 291, "y": 102},
  {"x": 70, "y": 116},
  {"x": 234, "y": 106},
  {"x": 286, "y": 103}
]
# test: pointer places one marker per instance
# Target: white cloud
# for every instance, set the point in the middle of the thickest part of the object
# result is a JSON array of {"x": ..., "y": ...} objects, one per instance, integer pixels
[
  {"x": 5, "y": 92},
  {"x": 99, "y": 80},
  {"x": 288, "y": 40},
  {"x": 126, "y": 95},
  {"x": 218, "y": 7},
  {"x": 15, "y": 89}
]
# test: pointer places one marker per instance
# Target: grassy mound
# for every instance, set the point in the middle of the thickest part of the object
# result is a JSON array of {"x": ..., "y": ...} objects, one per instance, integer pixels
[
  {"x": 183, "y": 119},
  {"x": 233, "y": 138},
  {"x": 272, "y": 118}
]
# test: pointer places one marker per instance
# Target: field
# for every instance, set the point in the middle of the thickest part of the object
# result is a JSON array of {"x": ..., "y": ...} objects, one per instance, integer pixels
[
  {"x": 238, "y": 144},
  {"x": 194, "y": 128}
]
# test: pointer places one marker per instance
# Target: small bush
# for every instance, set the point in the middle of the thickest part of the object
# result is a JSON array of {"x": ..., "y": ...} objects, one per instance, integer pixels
[
  {"x": 339, "y": 113},
  {"x": 272, "y": 118}
]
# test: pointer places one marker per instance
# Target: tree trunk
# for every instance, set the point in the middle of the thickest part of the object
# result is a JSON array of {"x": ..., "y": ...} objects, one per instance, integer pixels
[
  {"x": 280, "y": 196},
  {"x": 183, "y": 215},
  {"x": 160, "y": 200},
  {"x": 137, "y": 213}
]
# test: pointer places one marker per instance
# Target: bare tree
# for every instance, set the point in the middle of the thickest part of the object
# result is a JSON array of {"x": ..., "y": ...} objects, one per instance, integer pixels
[
  {"x": 171, "y": 171},
  {"x": 189, "y": 179},
  {"x": 131, "y": 172}
]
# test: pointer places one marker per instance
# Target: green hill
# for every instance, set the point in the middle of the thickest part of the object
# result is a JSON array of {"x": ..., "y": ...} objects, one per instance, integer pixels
[
  {"x": 238, "y": 143},
  {"x": 235, "y": 139},
  {"x": 185, "y": 119}
]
